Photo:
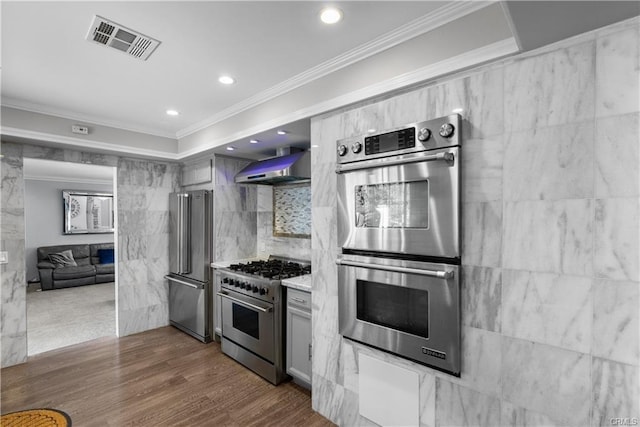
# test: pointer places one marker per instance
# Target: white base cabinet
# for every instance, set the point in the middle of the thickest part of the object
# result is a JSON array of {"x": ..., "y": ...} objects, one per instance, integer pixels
[{"x": 299, "y": 335}]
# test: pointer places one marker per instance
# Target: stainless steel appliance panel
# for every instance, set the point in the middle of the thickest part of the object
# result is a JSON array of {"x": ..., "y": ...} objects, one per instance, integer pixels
[
  {"x": 249, "y": 322},
  {"x": 404, "y": 307},
  {"x": 189, "y": 263},
  {"x": 179, "y": 232},
  {"x": 416, "y": 194},
  {"x": 199, "y": 219},
  {"x": 188, "y": 307}
]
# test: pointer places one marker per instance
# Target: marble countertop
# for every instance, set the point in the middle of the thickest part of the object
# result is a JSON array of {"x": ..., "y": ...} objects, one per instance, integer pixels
[{"x": 302, "y": 283}]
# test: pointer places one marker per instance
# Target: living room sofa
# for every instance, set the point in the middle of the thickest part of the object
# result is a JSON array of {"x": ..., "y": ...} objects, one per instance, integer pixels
[{"x": 88, "y": 270}]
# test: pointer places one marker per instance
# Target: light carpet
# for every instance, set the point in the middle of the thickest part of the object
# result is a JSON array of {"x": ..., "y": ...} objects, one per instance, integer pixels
[{"x": 63, "y": 317}]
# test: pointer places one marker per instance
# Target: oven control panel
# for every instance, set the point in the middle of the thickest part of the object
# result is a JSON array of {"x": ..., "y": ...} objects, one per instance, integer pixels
[
  {"x": 423, "y": 136},
  {"x": 257, "y": 288}
]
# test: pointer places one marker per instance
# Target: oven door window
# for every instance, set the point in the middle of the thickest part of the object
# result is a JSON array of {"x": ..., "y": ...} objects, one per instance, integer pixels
[
  {"x": 395, "y": 307},
  {"x": 392, "y": 205},
  {"x": 246, "y": 320}
]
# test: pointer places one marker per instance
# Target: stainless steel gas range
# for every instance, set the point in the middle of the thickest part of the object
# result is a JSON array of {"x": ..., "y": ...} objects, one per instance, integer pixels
[{"x": 253, "y": 313}]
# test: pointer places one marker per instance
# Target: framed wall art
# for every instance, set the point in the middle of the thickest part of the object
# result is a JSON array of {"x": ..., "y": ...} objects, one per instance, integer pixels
[{"x": 87, "y": 213}]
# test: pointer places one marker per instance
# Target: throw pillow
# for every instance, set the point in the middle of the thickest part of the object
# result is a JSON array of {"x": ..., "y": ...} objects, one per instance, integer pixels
[
  {"x": 63, "y": 259},
  {"x": 106, "y": 256}
]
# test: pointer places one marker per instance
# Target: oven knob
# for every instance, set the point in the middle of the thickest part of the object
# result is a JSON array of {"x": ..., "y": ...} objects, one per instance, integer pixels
[
  {"x": 446, "y": 130},
  {"x": 232, "y": 282},
  {"x": 263, "y": 291},
  {"x": 356, "y": 147},
  {"x": 342, "y": 150},
  {"x": 241, "y": 285},
  {"x": 424, "y": 134},
  {"x": 255, "y": 289}
]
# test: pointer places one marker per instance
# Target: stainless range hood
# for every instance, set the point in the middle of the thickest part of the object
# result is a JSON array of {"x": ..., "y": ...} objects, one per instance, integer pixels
[{"x": 282, "y": 169}]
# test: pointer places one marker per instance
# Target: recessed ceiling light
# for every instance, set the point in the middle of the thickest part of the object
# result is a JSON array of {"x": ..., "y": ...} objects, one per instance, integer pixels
[
  {"x": 172, "y": 112},
  {"x": 253, "y": 141},
  {"x": 226, "y": 80},
  {"x": 372, "y": 130},
  {"x": 330, "y": 15},
  {"x": 282, "y": 132},
  {"x": 457, "y": 110},
  {"x": 230, "y": 148}
]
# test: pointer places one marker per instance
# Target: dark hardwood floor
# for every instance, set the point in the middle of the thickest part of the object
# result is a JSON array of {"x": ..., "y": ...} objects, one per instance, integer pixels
[{"x": 161, "y": 377}]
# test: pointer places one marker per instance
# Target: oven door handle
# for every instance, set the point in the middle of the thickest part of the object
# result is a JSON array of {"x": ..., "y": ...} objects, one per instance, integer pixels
[
  {"x": 381, "y": 163},
  {"x": 406, "y": 270},
  {"x": 246, "y": 304}
]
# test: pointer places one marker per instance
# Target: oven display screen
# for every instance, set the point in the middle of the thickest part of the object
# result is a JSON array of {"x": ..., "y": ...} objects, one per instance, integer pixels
[
  {"x": 246, "y": 320},
  {"x": 392, "y": 205},
  {"x": 391, "y": 141},
  {"x": 399, "y": 308}
]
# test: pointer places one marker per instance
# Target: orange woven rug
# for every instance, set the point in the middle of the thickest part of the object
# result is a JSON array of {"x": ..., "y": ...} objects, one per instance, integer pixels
[{"x": 36, "y": 418}]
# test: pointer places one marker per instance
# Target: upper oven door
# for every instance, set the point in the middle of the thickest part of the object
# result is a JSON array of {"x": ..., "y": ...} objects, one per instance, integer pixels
[{"x": 406, "y": 204}]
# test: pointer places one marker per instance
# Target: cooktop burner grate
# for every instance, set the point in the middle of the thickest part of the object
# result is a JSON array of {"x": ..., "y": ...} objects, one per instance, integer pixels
[{"x": 273, "y": 269}]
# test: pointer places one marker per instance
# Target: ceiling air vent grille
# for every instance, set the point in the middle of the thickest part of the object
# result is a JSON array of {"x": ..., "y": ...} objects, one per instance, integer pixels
[{"x": 110, "y": 34}]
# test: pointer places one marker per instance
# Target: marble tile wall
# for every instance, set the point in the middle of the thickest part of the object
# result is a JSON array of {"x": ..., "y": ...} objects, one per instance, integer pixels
[
  {"x": 13, "y": 309},
  {"x": 551, "y": 218},
  {"x": 142, "y": 198},
  {"x": 143, "y": 237},
  {"x": 235, "y": 212}
]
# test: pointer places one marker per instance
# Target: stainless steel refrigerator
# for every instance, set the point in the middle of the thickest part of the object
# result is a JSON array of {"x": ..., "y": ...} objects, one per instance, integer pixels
[{"x": 190, "y": 263}]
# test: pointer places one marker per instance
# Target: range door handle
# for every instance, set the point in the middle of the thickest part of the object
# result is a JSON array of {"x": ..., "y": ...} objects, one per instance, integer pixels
[
  {"x": 182, "y": 282},
  {"x": 381, "y": 163},
  {"x": 244, "y": 303},
  {"x": 441, "y": 274}
]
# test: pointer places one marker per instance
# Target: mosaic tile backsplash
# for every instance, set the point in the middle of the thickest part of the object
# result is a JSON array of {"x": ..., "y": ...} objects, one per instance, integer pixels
[{"x": 292, "y": 210}]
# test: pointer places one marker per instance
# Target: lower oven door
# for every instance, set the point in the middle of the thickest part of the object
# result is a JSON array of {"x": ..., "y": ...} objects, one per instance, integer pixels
[
  {"x": 249, "y": 323},
  {"x": 411, "y": 309}
]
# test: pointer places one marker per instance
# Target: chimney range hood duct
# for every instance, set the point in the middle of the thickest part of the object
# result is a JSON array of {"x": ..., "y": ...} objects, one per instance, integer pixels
[{"x": 277, "y": 170}]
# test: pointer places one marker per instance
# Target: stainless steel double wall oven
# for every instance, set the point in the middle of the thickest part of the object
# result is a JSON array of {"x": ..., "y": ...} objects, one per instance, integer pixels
[{"x": 399, "y": 229}]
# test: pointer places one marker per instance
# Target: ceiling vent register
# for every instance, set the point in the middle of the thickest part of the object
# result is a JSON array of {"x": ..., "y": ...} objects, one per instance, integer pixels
[{"x": 133, "y": 43}]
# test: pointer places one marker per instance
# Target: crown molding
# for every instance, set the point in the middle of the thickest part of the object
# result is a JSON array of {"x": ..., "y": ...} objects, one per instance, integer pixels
[
  {"x": 460, "y": 62},
  {"x": 79, "y": 117},
  {"x": 417, "y": 27},
  {"x": 457, "y": 63},
  {"x": 84, "y": 143}
]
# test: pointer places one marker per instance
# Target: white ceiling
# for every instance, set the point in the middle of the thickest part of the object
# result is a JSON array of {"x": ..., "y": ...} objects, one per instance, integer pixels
[
  {"x": 268, "y": 46},
  {"x": 48, "y": 66}
]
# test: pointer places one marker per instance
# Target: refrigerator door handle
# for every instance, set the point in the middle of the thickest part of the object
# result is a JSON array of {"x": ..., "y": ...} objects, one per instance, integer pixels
[
  {"x": 184, "y": 235},
  {"x": 182, "y": 282}
]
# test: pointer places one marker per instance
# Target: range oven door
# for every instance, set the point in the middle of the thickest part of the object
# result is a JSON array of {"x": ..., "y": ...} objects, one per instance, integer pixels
[
  {"x": 405, "y": 204},
  {"x": 411, "y": 309},
  {"x": 248, "y": 322}
]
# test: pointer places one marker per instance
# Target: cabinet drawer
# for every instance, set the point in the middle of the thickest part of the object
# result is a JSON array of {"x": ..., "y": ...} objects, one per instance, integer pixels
[{"x": 300, "y": 299}]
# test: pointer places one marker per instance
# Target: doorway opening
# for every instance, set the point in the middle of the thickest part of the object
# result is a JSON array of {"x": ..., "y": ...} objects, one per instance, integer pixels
[{"x": 68, "y": 304}]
